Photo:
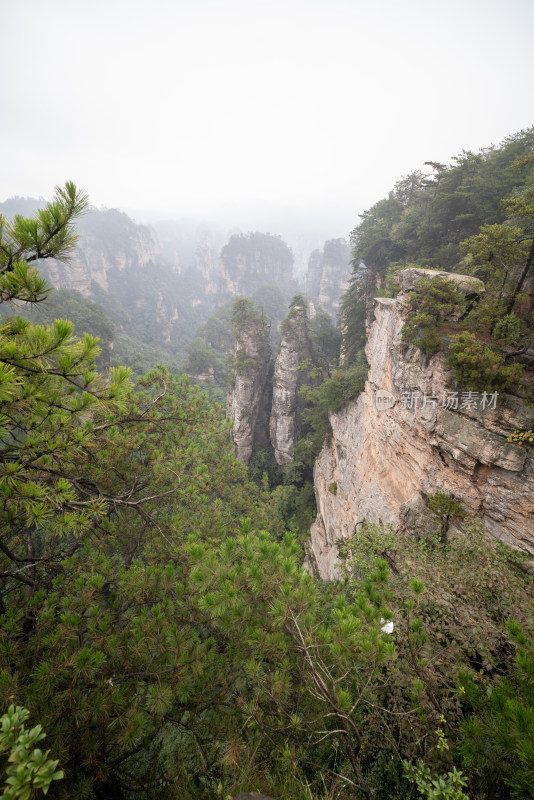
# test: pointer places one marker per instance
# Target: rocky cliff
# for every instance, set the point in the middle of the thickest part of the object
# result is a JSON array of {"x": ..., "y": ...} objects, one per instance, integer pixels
[
  {"x": 249, "y": 393},
  {"x": 288, "y": 378},
  {"x": 108, "y": 240},
  {"x": 328, "y": 275},
  {"x": 153, "y": 301},
  {"x": 410, "y": 434},
  {"x": 249, "y": 262}
]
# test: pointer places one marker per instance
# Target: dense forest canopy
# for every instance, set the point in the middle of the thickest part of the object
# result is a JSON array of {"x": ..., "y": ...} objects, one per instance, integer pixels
[
  {"x": 442, "y": 220},
  {"x": 426, "y": 216}
]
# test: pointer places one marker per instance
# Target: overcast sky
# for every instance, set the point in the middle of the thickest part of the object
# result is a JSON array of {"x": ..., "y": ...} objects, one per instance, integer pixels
[{"x": 192, "y": 107}]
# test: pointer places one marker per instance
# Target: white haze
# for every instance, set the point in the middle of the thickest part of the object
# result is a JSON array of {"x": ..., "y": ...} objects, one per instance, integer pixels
[{"x": 254, "y": 112}]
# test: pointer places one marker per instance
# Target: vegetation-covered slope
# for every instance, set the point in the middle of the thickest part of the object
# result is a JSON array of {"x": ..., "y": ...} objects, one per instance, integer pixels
[{"x": 156, "y": 620}]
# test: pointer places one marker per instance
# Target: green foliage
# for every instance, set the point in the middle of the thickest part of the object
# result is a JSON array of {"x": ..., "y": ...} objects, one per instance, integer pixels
[
  {"x": 491, "y": 253},
  {"x": 244, "y": 311},
  {"x": 25, "y": 240},
  {"x": 252, "y": 347},
  {"x": 444, "y": 787},
  {"x": 521, "y": 437},
  {"x": 272, "y": 300},
  {"x": 497, "y": 741},
  {"x": 390, "y": 287},
  {"x": 263, "y": 464},
  {"x": 451, "y": 608},
  {"x": 200, "y": 357},
  {"x": 353, "y": 312},
  {"x": 295, "y": 502},
  {"x": 509, "y": 328},
  {"x": 208, "y": 351},
  {"x": 438, "y": 297},
  {"x": 112, "y": 645},
  {"x": 325, "y": 340},
  {"x": 433, "y": 300},
  {"x": 446, "y": 508},
  {"x": 332, "y": 487},
  {"x": 425, "y": 217},
  {"x": 86, "y": 316},
  {"x": 28, "y": 768},
  {"x": 479, "y": 368},
  {"x": 369, "y": 542},
  {"x": 298, "y": 301},
  {"x": 297, "y": 317},
  {"x": 436, "y": 219},
  {"x": 100, "y": 488},
  {"x": 421, "y": 331},
  {"x": 320, "y": 401},
  {"x": 155, "y": 616},
  {"x": 496, "y": 255}
]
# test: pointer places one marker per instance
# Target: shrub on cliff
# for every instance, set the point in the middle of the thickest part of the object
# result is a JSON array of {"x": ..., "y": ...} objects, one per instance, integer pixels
[
  {"x": 252, "y": 346},
  {"x": 479, "y": 368},
  {"x": 434, "y": 300},
  {"x": 320, "y": 401},
  {"x": 421, "y": 331}
]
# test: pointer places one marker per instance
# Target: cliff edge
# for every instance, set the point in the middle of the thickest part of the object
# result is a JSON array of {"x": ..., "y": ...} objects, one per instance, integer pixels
[{"x": 411, "y": 433}]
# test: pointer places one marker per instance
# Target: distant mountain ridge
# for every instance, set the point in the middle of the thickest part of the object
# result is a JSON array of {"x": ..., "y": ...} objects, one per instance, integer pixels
[{"x": 158, "y": 283}]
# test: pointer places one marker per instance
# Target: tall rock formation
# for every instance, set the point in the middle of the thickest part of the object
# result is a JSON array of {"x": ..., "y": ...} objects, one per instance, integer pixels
[
  {"x": 249, "y": 392},
  {"x": 208, "y": 263},
  {"x": 328, "y": 275},
  {"x": 288, "y": 378},
  {"x": 248, "y": 262},
  {"x": 409, "y": 435}
]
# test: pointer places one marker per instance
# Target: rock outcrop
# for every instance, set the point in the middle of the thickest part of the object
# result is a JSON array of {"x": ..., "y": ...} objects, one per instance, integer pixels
[
  {"x": 411, "y": 434},
  {"x": 249, "y": 393},
  {"x": 408, "y": 279},
  {"x": 288, "y": 378}
]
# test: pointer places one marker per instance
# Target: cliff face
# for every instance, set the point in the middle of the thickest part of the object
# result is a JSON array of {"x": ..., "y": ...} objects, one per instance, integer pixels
[
  {"x": 249, "y": 393},
  {"x": 294, "y": 349},
  {"x": 328, "y": 275},
  {"x": 249, "y": 262},
  {"x": 208, "y": 263},
  {"x": 109, "y": 241},
  {"x": 392, "y": 446}
]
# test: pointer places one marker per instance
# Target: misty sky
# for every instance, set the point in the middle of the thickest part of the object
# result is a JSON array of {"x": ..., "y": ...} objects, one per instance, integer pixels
[{"x": 231, "y": 107}]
